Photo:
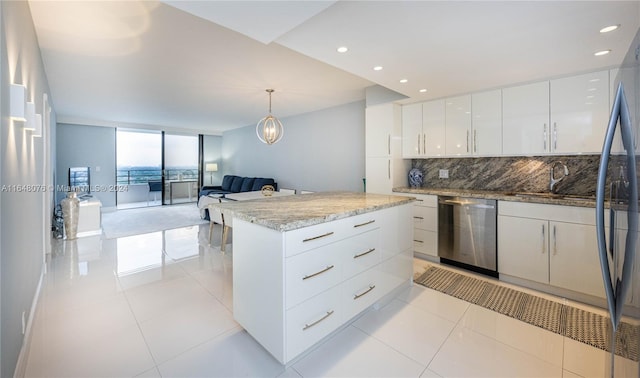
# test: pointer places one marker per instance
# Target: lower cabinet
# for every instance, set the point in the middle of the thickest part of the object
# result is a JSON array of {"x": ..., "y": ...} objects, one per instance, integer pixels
[
  {"x": 425, "y": 225},
  {"x": 549, "y": 244},
  {"x": 292, "y": 289}
]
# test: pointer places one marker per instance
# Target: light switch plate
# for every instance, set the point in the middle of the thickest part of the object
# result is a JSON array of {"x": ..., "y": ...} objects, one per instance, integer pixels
[{"x": 444, "y": 173}]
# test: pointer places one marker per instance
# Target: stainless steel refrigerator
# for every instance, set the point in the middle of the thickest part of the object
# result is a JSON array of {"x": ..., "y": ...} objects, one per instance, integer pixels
[{"x": 617, "y": 214}]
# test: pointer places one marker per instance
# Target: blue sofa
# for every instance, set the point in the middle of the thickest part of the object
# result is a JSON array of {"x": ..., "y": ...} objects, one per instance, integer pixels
[
  {"x": 234, "y": 184},
  {"x": 237, "y": 184}
]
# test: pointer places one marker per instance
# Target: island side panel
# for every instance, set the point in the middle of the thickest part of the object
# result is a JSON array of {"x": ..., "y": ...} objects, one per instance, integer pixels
[{"x": 258, "y": 290}]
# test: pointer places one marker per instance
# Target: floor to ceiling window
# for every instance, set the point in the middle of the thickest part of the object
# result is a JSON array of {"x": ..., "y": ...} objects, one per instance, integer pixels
[
  {"x": 139, "y": 168},
  {"x": 180, "y": 168}
]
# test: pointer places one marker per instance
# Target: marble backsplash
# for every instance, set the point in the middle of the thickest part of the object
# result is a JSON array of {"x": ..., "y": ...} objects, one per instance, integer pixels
[{"x": 518, "y": 174}]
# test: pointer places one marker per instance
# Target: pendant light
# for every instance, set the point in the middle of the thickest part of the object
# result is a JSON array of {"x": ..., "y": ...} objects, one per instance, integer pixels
[{"x": 269, "y": 129}]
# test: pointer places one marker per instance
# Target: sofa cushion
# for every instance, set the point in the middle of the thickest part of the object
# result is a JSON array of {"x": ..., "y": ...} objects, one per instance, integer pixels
[
  {"x": 226, "y": 182},
  {"x": 247, "y": 184},
  {"x": 259, "y": 182},
  {"x": 236, "y": 185}
]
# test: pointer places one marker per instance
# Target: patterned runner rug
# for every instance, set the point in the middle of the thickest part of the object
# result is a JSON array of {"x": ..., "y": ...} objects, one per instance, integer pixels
[{"x": 575, "y": 323}]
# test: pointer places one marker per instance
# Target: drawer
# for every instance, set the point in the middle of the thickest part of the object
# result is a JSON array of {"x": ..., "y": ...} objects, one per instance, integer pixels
[
  {"x": 306, "y": 238},
  {"x": 425, "y": 242},
  {"x": 312, "y": 272},
  {"x": 425, "y": 218},
  {"x": 360, "y": 292},
  {"x": 426, "y": 200},
  {"x": 312, "y": 320},
  {"x": 361, "y": 252}
]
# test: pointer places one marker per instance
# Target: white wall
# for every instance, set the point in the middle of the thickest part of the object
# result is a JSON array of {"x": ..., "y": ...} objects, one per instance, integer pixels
[
  {"x": 25, "y": 215},
  {"x": 320, "y": 151},
  {"x": 212, "y": 153}
]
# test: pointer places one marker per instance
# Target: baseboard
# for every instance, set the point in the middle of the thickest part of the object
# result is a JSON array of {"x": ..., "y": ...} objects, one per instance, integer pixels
[{"x": 23, "y": 357}]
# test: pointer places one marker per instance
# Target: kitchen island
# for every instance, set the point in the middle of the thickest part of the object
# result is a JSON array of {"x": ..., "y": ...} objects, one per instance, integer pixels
[{"x": 306, "y": 265}]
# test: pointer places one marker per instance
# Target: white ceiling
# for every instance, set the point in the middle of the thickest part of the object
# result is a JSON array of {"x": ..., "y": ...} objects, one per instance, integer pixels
[{"x": 204, "y": 65}]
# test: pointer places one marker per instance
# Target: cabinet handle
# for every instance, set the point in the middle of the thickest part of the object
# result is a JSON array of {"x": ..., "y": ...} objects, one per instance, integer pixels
[
  {"x": 424, "y": 143},
  {"x": 418, "y": 241},
  {"x": 418, "y": 143},
  {"x": 389, "y": 169},
  {"x": 364, "y": 253},
  {"x": 318, "y": 237},
  {"x": 364, "y": 224},
  {"x": 555, "y": 246},
  {"x": 389, "y": 144},
  {"x": 307, "y": 326},
  {"x": 555, "y": 136},
  {"x": 475, "y": 141},
  {"x": 419, "y": 200},
  {"x": 371, "y": 287},
  {"x": 543, "y": 239},
  {"x": 418, "y": 217},
  {"x": 316, "y": 273},
  {"x": 467, "y": 141},
  {"x": 544, "y": 137}
]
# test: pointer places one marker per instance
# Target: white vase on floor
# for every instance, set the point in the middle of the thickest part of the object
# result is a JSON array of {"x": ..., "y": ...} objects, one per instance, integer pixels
[{"x": 70, "y": 213}]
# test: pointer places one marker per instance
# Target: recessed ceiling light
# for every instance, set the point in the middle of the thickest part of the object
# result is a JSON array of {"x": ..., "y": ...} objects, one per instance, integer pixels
[
  {"x": 343, "y": 49},
  {"x": 603, "y": 52},
  {"x": 609, "y": 28},
  {"x": 422, "y": 90},
  {"x": 377, "y": 68},
  {"x": 403, "y": 81}
]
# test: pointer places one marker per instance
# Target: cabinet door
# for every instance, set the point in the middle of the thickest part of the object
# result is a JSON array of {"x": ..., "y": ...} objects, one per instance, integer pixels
[
  {"x": 378, "y": 175},
  {"x": 412, "y": 130},
  {"x": 573, "y": 261},
  {"x": 379, "y": 121},
  {"x": 523, "y": 248},
  {"x": 458, "y": 126},
  {"x": 525, "y": 119},
  {"x": 579, "y": 113},
  {"x": 486, "y": 124},
  {"x": 433, "y": 128}
]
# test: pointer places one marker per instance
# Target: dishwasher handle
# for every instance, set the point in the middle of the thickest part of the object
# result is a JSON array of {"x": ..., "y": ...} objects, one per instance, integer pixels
[{"x": 468, "y": 204}]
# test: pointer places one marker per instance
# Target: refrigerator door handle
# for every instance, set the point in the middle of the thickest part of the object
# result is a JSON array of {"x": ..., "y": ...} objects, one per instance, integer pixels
[{"x": 616, "y": 295}]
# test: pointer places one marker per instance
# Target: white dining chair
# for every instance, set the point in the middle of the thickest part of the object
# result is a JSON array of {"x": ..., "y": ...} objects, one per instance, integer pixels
[{"x": 216, "y": 216}]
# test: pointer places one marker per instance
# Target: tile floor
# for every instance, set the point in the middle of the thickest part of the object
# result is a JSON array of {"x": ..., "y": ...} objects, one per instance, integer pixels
[{"x": 160, "y": 305}]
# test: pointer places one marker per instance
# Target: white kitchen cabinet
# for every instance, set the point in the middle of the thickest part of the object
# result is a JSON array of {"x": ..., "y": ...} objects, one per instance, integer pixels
[
  {"x": 550, "y": 244},
  {"x": 486, "y": 123},
  {"x": 525, "y": 119},
  {"x": 458, "y": 126},
  {"x": 423, "y": 129},
  {"x": 523, "y": 248},
  {"x": 425, "y": 225},
  {"x": 293, "y": 288},
  {"x": 579, "y": 108},
  {"x": 384, "y": 166}
]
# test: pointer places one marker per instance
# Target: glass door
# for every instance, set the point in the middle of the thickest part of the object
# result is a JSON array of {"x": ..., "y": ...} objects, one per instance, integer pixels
[
  {"x": 138, "y": 168},
  {"x": 181, "y": 168}
]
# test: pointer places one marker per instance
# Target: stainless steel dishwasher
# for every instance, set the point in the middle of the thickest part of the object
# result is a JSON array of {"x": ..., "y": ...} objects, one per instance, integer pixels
[{"x": 467, "y": 233}]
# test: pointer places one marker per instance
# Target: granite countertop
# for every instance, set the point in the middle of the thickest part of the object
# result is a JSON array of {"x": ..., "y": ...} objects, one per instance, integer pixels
[
  {"x": 297, "y": 211},
  {"x": 545, "y": 198}
]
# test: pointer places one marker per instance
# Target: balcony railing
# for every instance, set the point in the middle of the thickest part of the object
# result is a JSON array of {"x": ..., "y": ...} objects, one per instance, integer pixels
[{"x": 142, "y": 176}]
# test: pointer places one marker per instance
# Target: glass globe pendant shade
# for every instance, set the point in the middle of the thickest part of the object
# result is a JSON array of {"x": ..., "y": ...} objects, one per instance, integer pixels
[{"x": 269, "y": 130}]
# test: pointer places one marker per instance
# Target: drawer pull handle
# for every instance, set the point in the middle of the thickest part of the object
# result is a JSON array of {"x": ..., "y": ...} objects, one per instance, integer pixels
[
  {"x": 418, "y": 217},
  {"x": 316, "y": 273},
  {"x": 371, "y": 287},
  {"x": 364, "y": 253},
  {"x": 419, "y": 200},
  {"x": 307, "y": 326},
  {"x": 364, "y": 224},
  {"x": 418, "y": 241},
  {"x": 317, "y": 237}
]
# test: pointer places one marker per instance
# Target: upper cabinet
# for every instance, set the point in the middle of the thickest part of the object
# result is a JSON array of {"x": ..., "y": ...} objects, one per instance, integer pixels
[
  {"x": 458, "y": 126},
  {"x": 579, "y": 113},
  {"x": 486, "y": 123},
  {"x": 423, "y": 129},
  {"x": 525, "y": 119}
]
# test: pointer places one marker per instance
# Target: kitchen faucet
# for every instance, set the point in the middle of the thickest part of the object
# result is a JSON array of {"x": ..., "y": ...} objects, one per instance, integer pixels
[{"x": 552, "y": 179}]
